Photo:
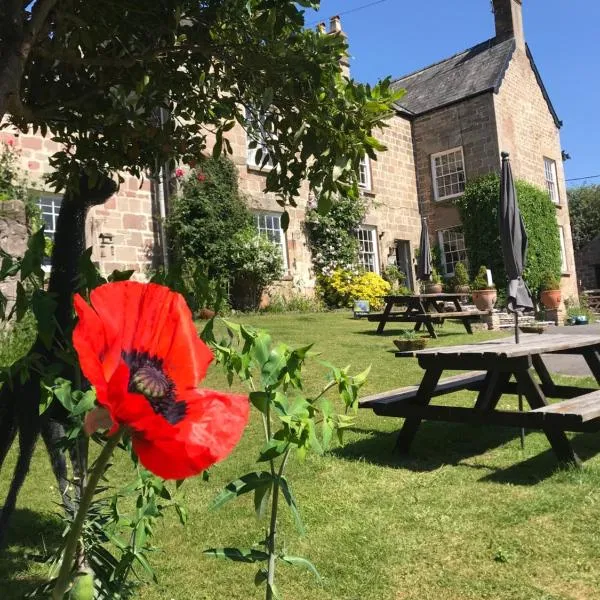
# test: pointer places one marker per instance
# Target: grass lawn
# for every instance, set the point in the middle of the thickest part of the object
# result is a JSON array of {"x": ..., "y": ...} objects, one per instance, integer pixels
[{"x": 468, "y": 516}]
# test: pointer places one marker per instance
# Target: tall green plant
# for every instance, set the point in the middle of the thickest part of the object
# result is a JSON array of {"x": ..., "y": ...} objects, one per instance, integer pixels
[
  {"x": 584, "y": 210},
  {"x": 205, "y": 217},
  {"x": 293, "y": 422},
  {"x": 479, "y": 213}
]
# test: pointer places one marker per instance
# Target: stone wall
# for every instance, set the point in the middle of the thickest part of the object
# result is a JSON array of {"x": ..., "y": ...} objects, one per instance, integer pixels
[
  {"x": 588, "y": 265},
  {"x": 13, "y": 239},
  {"x": 469, "y": 124},
  {"x": 526, "y": 129},
  {"x": 123, "y": 233}
]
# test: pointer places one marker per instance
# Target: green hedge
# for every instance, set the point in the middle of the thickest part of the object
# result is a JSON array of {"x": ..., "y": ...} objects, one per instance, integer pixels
[{"x": 479, "y": 213}]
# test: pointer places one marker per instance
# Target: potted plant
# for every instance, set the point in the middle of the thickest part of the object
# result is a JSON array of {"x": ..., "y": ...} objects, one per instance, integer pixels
[
  {"x": 484, "y": 294},
  {"x": 409, "y": 341},
  {"x": 461, "y": 279},
  {"x": 434, "y": 285},
  {"x": 550, "y": 291}
]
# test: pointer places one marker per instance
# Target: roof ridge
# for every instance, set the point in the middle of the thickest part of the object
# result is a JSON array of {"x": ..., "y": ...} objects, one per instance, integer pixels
[{"x": 490, "y": 42}]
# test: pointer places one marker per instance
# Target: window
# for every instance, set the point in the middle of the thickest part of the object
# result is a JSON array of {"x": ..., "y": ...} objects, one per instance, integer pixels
[
  {"x": 563, "y": 252},
  {"x": 364, "y": 173},
  {"x": 269, "y": 225},
  {"x": 551, "y": 180},
  {"x": 49, "y": 207},
  {"x": 448, "y": 171},
  {"x": 256, "y": 146},
  {"x": 368, "y": 257},
  {"x": 452, "y": 244}
]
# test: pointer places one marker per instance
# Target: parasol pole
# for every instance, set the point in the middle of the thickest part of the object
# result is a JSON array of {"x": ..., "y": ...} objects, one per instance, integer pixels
[{"x": 518, "y": 388}]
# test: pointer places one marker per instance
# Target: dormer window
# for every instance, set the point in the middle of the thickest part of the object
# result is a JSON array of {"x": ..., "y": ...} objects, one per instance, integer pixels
[{"x": 448, "y": 172}]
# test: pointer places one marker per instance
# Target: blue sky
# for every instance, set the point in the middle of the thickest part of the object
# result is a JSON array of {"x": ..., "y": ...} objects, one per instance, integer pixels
[{"x": 396, "y": 37}]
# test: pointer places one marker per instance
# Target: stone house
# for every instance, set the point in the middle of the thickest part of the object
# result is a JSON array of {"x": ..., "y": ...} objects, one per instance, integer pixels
[{"x": 451, "y": 125}]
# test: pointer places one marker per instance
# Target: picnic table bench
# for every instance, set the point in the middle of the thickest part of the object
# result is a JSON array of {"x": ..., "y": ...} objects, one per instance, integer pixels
[
  {"x": 491, "y": 367},
  {"x": 425, "y": 309}
]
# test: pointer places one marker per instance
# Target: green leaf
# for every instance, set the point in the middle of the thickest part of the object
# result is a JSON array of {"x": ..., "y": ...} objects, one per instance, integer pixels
[
  {"x": 243, "y": 485},
  {"x": 285, "y": 220},
  {"x": 302, "y": 562},
  {"x": 44, "y": 306},
  {"x": 260, "y": 577},
  {"x": 291, "y": 502},
  {"x": 260, "y": 400},
  {"x": 245, "y": 555},
  {"x": 261, "y": 500},
  {"x": 272, "y": 449},
  {"x": 62, "y": 390},
  {"x": 117, "y": 275}
]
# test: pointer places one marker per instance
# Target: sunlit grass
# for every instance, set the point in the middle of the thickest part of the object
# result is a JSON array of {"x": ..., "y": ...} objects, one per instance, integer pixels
[{"x": 468, "y": 516}]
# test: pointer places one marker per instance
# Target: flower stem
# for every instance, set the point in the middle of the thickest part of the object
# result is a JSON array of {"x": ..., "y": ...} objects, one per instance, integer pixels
[
  {"x": 64, "y": 575},
  {"x": 271, "y": 539}
]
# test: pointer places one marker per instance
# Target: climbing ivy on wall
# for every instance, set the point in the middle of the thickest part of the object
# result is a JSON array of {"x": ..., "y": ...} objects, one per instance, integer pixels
[{"x": 478, "y": 208}]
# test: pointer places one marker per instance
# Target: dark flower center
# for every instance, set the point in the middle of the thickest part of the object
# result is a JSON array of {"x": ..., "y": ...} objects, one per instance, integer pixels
[{"x": 148, "y": 378}]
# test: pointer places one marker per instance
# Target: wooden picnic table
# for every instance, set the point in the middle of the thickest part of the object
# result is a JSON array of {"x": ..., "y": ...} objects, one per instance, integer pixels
[
  {"x": 492, "y": 365},
  {"x": 425, "y": 309}
]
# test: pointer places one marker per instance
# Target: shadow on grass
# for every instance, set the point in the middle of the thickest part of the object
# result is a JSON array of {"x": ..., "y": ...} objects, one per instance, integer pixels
[
  {"x": 30, "y": 536},
  {"x": 435, "y": 444},
  {"x": 545, "y": 464},
  {"x": 439, "y": 444}
]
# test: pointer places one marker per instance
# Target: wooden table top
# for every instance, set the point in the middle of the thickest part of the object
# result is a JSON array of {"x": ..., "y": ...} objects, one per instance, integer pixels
[
  {"x": 440, "y": 296},
  {"x": 529, "y": 344}
]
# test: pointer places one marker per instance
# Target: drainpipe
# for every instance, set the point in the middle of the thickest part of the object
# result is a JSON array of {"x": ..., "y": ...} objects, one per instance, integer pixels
[{"x": 163, "y": 196}]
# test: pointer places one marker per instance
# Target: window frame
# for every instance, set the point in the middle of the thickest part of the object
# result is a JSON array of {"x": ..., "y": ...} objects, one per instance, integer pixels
[
  {"x": 365, "y": 163},
  {"x": 56, "y": 200},
  {"x": 372, "y": 229},
  {"x": 440, "y": 237},
  {"x": 256, "y": 214},
  {"x": 260, "y": 144},
  {"x": 550, "y": 168},
  {"x": 564, "y": 266},
  {"x": 436, "y": 193}
]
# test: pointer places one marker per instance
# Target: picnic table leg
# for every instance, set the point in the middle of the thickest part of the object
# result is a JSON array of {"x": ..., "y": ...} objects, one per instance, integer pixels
[
  {"x": 424, "y": 395},
  {"x": 592, "y": 357},
  {"x": 467, "y": 325},
  {"x": 491, "y": 390},
  {"x": 430, "y": 329},
  {"x": 385, "y": 316},
  {"x": 418, "y": 326},
  {"x": 544, "y": 375},
  {"x": 557, "y": 437}
]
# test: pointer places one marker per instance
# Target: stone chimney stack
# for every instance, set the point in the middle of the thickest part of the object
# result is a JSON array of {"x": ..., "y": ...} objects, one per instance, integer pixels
[
  {"x": 335, "y": 28},
  {"x": 508, "y": 15}
]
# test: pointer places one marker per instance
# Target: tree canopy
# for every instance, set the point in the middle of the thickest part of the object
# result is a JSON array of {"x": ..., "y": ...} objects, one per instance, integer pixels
[
  {"x": 584, "y": 210},
  {"x": 94, "y": 75}
]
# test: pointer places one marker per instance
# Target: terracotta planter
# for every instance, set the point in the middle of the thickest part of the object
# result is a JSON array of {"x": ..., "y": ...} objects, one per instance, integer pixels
[
  {"x": 433, "y": 288},
  {"x": 551, "y": 298},
  {"x": 484, "y": 299}
]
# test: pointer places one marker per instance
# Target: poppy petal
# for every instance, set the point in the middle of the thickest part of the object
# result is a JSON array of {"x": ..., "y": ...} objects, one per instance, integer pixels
[
  {"x": 89, "y": 341},
  {"x": 212, "y": 427}
]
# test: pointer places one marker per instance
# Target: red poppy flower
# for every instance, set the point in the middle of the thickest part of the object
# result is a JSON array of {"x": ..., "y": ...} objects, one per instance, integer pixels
[
  {"x": 179, "y": 172},
  {"x": 138, "y": 347}
]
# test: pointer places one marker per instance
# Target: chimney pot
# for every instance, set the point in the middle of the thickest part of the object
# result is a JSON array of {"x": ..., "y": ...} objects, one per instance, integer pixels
[
  {"x": 335, "y": 24},
  {"x": 321, "y": 28},
  {"x": 508, "y": 16}
]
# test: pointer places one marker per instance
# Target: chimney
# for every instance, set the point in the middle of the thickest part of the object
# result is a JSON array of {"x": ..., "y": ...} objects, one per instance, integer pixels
[
  {"x": 508, "y": 15},
  {"x": 335, "y": 28}
]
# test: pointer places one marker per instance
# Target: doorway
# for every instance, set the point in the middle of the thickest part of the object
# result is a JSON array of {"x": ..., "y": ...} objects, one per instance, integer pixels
[{"x": 404, "y": 262}]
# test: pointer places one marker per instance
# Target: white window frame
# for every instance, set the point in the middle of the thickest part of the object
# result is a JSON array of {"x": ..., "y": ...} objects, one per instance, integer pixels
[
  {"x": 55, "y": 200},
  {"x": 264, "y": 231},
  {"x": 260, "y": 144},
  {"x": 434, "y": 174},
  {"x": 465, "y": 260},
  {"x": 371, "y": 232},
  {"x": 364, "y": 174},
  {"x": 564, "y": 267},
  {"x": 551, "y": 177}
]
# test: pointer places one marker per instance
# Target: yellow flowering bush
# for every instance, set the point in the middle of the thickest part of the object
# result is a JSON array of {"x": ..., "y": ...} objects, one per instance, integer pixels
[{"x": 343, "y": 287}]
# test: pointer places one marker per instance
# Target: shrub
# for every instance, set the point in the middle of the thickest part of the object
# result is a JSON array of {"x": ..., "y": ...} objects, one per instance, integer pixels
[
  {"x": 461, "y": 276},
  {"x": 479, "y": 213},
  {"x": 343, "y": 287},
  {"x": 331, "y": 238},
  {"x": 550, "y": 282},
  {"x": 206, "y": 215},
  {"x": 394, "y": 276},
  {"x": 294, "y": 302},
  {"x": 481, "y": 282},
  {"x": 255, "y": 264}
]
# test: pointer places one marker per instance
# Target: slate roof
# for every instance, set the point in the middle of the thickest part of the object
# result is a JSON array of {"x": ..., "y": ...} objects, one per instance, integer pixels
[{"x": 469, "y": 73}]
